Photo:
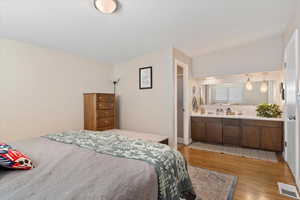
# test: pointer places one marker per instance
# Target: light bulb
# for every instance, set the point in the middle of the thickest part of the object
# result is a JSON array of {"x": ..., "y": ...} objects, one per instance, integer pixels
[
  {"x": 249, "y": 85},
  {"x": 264, "y": 87}
]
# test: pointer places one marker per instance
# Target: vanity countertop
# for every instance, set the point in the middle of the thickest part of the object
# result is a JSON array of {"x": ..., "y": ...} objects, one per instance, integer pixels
[{"x": 236, "y": 117}]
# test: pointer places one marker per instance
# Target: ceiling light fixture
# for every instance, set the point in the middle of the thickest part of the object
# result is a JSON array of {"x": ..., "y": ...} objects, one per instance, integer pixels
[
  {"x": 264, "y": 87},
  {"x": 106, "y": 6},
  {"x": 249, "y": 85}
]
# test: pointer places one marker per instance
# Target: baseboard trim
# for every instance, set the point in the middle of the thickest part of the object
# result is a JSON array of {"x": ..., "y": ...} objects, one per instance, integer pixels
[
  {"x": 297, "y": 182},
  {"x": 180, "y": 140}
]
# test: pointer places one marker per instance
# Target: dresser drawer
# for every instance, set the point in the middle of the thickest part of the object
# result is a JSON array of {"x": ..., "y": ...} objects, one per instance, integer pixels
[
  {"x": 105, "y": 106},
  {"x": 105, "y": 113},
  {"x": 105, "y": 128},
  {"x": 106, "y": 122},
  {"x": 108, "y": 98}
]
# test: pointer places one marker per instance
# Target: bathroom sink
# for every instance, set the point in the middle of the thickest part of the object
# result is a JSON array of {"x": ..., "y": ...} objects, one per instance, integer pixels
[{"x": 211, "y": 113}]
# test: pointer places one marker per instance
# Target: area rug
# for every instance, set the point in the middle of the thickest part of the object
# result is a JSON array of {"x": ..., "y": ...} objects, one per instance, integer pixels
[
  {"x": 243, "y": 152},
  {"x": 210, "y": 185}
]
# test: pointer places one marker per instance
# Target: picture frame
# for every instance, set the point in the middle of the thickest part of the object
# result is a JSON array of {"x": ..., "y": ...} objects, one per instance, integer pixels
[{"x": 145, "y": 78}]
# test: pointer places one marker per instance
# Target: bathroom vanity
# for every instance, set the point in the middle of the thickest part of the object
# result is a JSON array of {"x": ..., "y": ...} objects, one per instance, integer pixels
[{"x": 243, "y": 131}]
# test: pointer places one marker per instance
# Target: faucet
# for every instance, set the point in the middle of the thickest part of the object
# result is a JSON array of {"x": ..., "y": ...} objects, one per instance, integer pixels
[
  {"x": 220, "y": 111},
  {"x": 228, "y": 111}
]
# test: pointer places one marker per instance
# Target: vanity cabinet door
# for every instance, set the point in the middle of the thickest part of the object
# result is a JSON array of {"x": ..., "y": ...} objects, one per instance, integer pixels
[
  {"x": 231, "y": 135},
  {"x": 198, "y": 129},
  {"x": 214, "y": 133},
  {"x": 231, "y": 132},
  {"x": 272, "y": 138},
  {"x": 251, "y": 136}
]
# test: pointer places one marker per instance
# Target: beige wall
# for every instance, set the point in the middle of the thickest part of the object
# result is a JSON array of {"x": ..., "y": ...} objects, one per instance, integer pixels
[
  {"x": 262, "y": 55},
  {"x": 41, "y": 90},
  {"x": 295, "y": 24},
  {"x": 149, "y": 111}
]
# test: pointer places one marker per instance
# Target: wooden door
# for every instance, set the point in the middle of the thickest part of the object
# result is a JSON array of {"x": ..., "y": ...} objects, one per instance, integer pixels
[
  {"x": 251, "y": 136},
  {"x": 272, "y": 139},
  {"x": 198, "y": 129},
  {"x": 214, "y": 130}
]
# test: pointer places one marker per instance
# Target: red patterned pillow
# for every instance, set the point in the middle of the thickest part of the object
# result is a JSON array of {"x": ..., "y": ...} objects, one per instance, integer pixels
[{"x": 13, "y": 159}]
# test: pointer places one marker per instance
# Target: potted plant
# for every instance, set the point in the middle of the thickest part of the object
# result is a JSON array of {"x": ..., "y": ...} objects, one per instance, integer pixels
[{"x": 268, "y": 110}]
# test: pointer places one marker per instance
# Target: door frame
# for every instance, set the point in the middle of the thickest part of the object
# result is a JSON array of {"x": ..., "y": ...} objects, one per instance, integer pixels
[
  {"x": 294, "y": 36},
  {"x": 186, "y": 114}
]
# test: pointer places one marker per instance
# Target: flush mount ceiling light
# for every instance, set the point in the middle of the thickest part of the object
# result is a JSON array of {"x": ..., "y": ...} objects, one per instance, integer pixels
[
  {"x": 106, "y": 6},
  {"x": 249, "y": 85}
]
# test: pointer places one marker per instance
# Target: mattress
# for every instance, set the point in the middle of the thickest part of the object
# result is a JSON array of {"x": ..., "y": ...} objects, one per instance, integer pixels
[
  {"x": 93, "y": 165},
  {"x": 68, "y": 172}
]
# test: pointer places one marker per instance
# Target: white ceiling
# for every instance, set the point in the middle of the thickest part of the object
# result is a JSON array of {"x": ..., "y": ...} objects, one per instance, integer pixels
[{"x": 141, "y": 26}]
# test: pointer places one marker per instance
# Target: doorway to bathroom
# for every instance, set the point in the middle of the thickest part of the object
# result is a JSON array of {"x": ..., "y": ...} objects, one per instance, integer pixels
[
  {"x": 181, "y": 128},
  {"x": 180, "y": 104}
]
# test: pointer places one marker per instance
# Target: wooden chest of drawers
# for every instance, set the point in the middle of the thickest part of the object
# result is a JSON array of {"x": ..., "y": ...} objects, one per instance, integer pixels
[{"x": 99, "y": 111}]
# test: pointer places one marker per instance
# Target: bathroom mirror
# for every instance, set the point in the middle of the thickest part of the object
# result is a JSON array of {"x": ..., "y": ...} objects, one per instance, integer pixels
[
  {"x": 238, "y": 94},
  {"x": 240, "y": 89}
]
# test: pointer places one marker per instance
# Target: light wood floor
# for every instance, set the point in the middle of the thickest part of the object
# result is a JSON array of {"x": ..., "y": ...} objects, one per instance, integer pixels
[{"x": 257, "y": 180}]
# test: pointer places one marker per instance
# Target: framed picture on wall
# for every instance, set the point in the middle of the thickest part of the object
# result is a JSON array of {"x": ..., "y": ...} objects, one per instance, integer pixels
[{"x": 145, "y": 75}]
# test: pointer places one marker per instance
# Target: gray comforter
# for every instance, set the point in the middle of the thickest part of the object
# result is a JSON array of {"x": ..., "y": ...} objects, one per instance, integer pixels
[{"x": 64, "y": 171}]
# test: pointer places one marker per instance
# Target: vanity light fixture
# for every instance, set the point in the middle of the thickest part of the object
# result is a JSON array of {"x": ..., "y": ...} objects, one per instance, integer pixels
[
  {"x": 106, "y": 6},
  {"x": 264, "y": 87},
  {"x": 249, "y": 85}
]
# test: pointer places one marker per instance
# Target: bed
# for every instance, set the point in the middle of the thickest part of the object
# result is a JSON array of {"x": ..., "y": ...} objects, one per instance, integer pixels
[
  {"x": 154, "y": 138},
  {"x": 97, "y": 166}
]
